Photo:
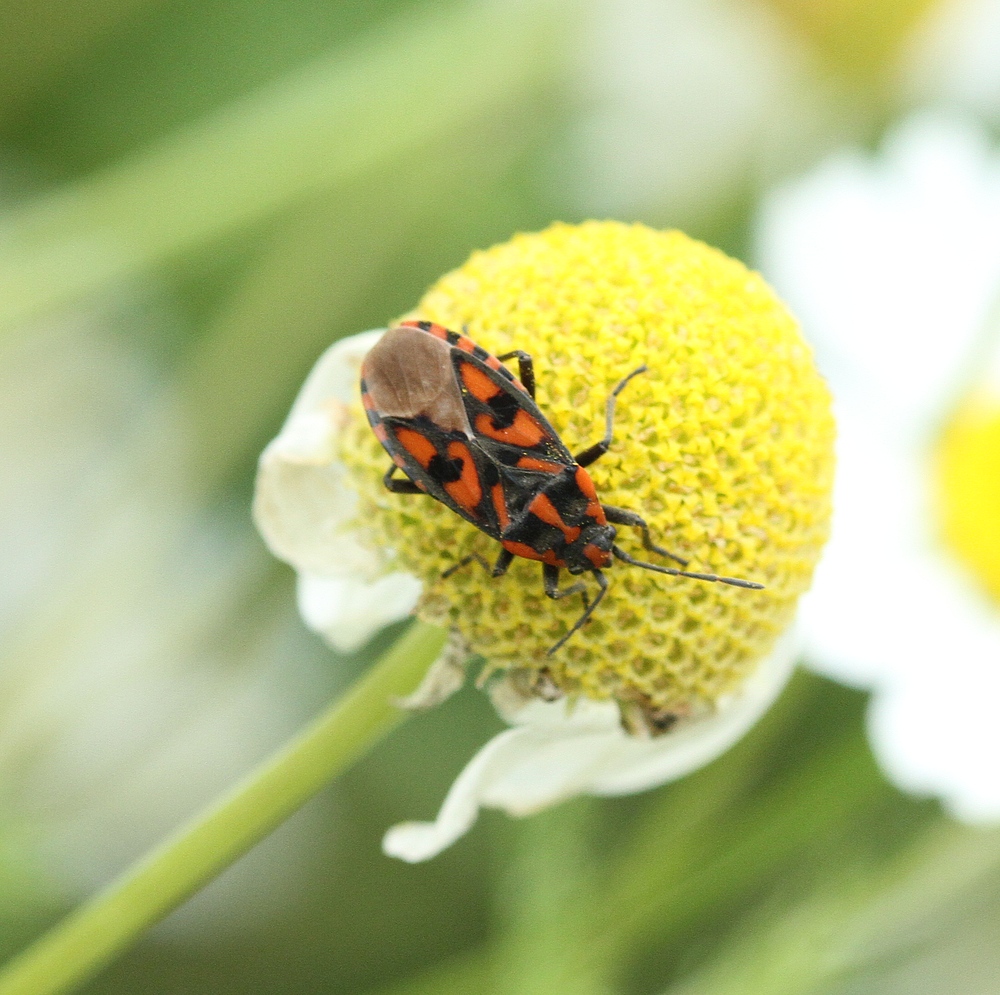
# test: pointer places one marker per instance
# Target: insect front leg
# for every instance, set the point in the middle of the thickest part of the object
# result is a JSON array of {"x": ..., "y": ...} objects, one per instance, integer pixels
[
  {"x": 600, "y": 448},
  {"x": 400, "y": 485},
  {"x": 622, "y": 516},
  {"x": 551, "y": 578},
  {"x": 525, "y": 369}
]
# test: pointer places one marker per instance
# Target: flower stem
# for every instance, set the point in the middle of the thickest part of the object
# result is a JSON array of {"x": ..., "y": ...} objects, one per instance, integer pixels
[{"x": 90, "y": 937}]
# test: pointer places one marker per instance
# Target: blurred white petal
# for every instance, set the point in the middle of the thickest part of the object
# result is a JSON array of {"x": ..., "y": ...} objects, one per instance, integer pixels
[
  {"x": 892, "y": 265},
  {"x": 953, "y": 57},
  {"x": 348, "y": 612},
  {"x": 686, "y": 102}
]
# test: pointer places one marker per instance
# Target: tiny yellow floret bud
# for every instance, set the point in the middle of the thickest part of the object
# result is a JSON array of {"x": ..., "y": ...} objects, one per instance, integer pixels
[
  {"x": 968, "y": 488},
  {"x": 725, "y": 447}
]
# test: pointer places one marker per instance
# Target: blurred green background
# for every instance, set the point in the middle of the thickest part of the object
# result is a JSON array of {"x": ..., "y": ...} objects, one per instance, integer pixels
[{"x": 195, "y": 199}]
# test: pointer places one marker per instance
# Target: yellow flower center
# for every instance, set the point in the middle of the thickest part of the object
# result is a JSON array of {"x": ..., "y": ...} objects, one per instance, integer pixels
[
  {"x": 967, "y": 484},
  {"x": 725, "y": 447}
]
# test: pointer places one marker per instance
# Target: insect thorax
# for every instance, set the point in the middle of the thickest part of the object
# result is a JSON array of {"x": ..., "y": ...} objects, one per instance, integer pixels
[{"x": 563, "y": 524}]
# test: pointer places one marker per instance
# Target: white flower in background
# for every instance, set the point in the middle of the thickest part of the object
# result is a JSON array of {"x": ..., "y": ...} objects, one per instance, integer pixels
[
  {"x": 734, "y": 469},
  {"x": 892, "y": 263},
  {"x": 130, "y": 697},
  {"x": 685, "y": 104},
  {"x": 954, "y": 56}
]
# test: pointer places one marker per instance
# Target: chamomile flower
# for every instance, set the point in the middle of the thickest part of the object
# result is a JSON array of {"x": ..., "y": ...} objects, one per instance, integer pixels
[
  {"x": 724, "y": 446},
  {"x": 893, "y": 265}
]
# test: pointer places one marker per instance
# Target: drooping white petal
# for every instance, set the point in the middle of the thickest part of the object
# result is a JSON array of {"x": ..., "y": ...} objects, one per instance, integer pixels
[
  {"x": 892, "y": 265},
  {"x": 303, "y": 504},
  {"x": 560, "y": 749},
  {"x": 306, "y": 510},
  {"x": 643, "y": 764}
]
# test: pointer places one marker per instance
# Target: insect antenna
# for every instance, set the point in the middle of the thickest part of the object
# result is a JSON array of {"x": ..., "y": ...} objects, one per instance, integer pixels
[
  {"x": 620, "y": 554},
  {"x": 588, "y": 611}
]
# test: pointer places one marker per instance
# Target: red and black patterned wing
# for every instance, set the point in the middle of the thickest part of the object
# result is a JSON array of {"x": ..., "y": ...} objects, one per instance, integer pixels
[{"x": 459, "y": 424}]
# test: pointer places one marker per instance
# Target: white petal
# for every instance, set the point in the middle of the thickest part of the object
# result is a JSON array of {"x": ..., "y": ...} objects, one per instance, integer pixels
[
  {"x": 892, "y": 265},
  {"x": 347, "y": 612},
  {"x": 335, "y": 374},
  {"x": 303, "y": 504},
  {"x": 559, "y": 749},
  {"x": 416, "y": 841},
  {"x": 643, "y": 764},
  {"x": 933, "y": 742}
]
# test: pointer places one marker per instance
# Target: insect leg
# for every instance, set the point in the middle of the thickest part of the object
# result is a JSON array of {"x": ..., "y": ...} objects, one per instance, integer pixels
[
  {"x": 497, "y": 570},
  {"x": 622, "y": 516},
  {"x": 550, "y": 578},
  {"x": 600, "y": 448},
  {"x": 587, "y": 612},
  {"x": 399, "y": 485},
  {"x": 504, "y": 560},
  {"x": 525, "y": 369},
  {"x": 620, "y": 554}
]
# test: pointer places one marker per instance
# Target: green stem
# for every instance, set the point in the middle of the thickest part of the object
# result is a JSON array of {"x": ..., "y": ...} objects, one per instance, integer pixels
[{"x": 93, "y": 935}]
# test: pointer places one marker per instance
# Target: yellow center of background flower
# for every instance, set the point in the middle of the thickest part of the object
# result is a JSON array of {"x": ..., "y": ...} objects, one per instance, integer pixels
[
  {"x": 725, "y": 447},
  {"x": 967, "y": 478}
]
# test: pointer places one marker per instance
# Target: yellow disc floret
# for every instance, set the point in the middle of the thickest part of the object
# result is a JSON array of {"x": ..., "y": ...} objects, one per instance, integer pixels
[
  {"x": 968, "y": 488},
  {"x": 725, "y": 447}
]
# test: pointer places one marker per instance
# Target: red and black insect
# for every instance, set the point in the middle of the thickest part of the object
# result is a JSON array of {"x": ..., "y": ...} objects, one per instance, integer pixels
[{"x": 466, "y": 431}]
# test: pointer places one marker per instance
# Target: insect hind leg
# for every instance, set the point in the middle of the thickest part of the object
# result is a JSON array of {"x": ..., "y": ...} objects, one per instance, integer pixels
[
  {"x": 598, "y": 449},
  {"x": 497, "y": 570},
  {"x": 622, "y": 516},
  {"x": 400, "y": 485},
  {"x": 551, "y": 579}
]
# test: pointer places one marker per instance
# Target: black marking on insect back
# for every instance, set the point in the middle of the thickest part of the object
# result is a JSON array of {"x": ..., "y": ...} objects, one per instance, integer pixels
[
  {"x": 508, "y": 455},
  {"x": 488, "y": 472},
  {"x": 443, "y": 470},
  {"x": 504, "y": 408},
  {"x": 532, "y": 531},
  {"x": 564, "y": 492}
]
